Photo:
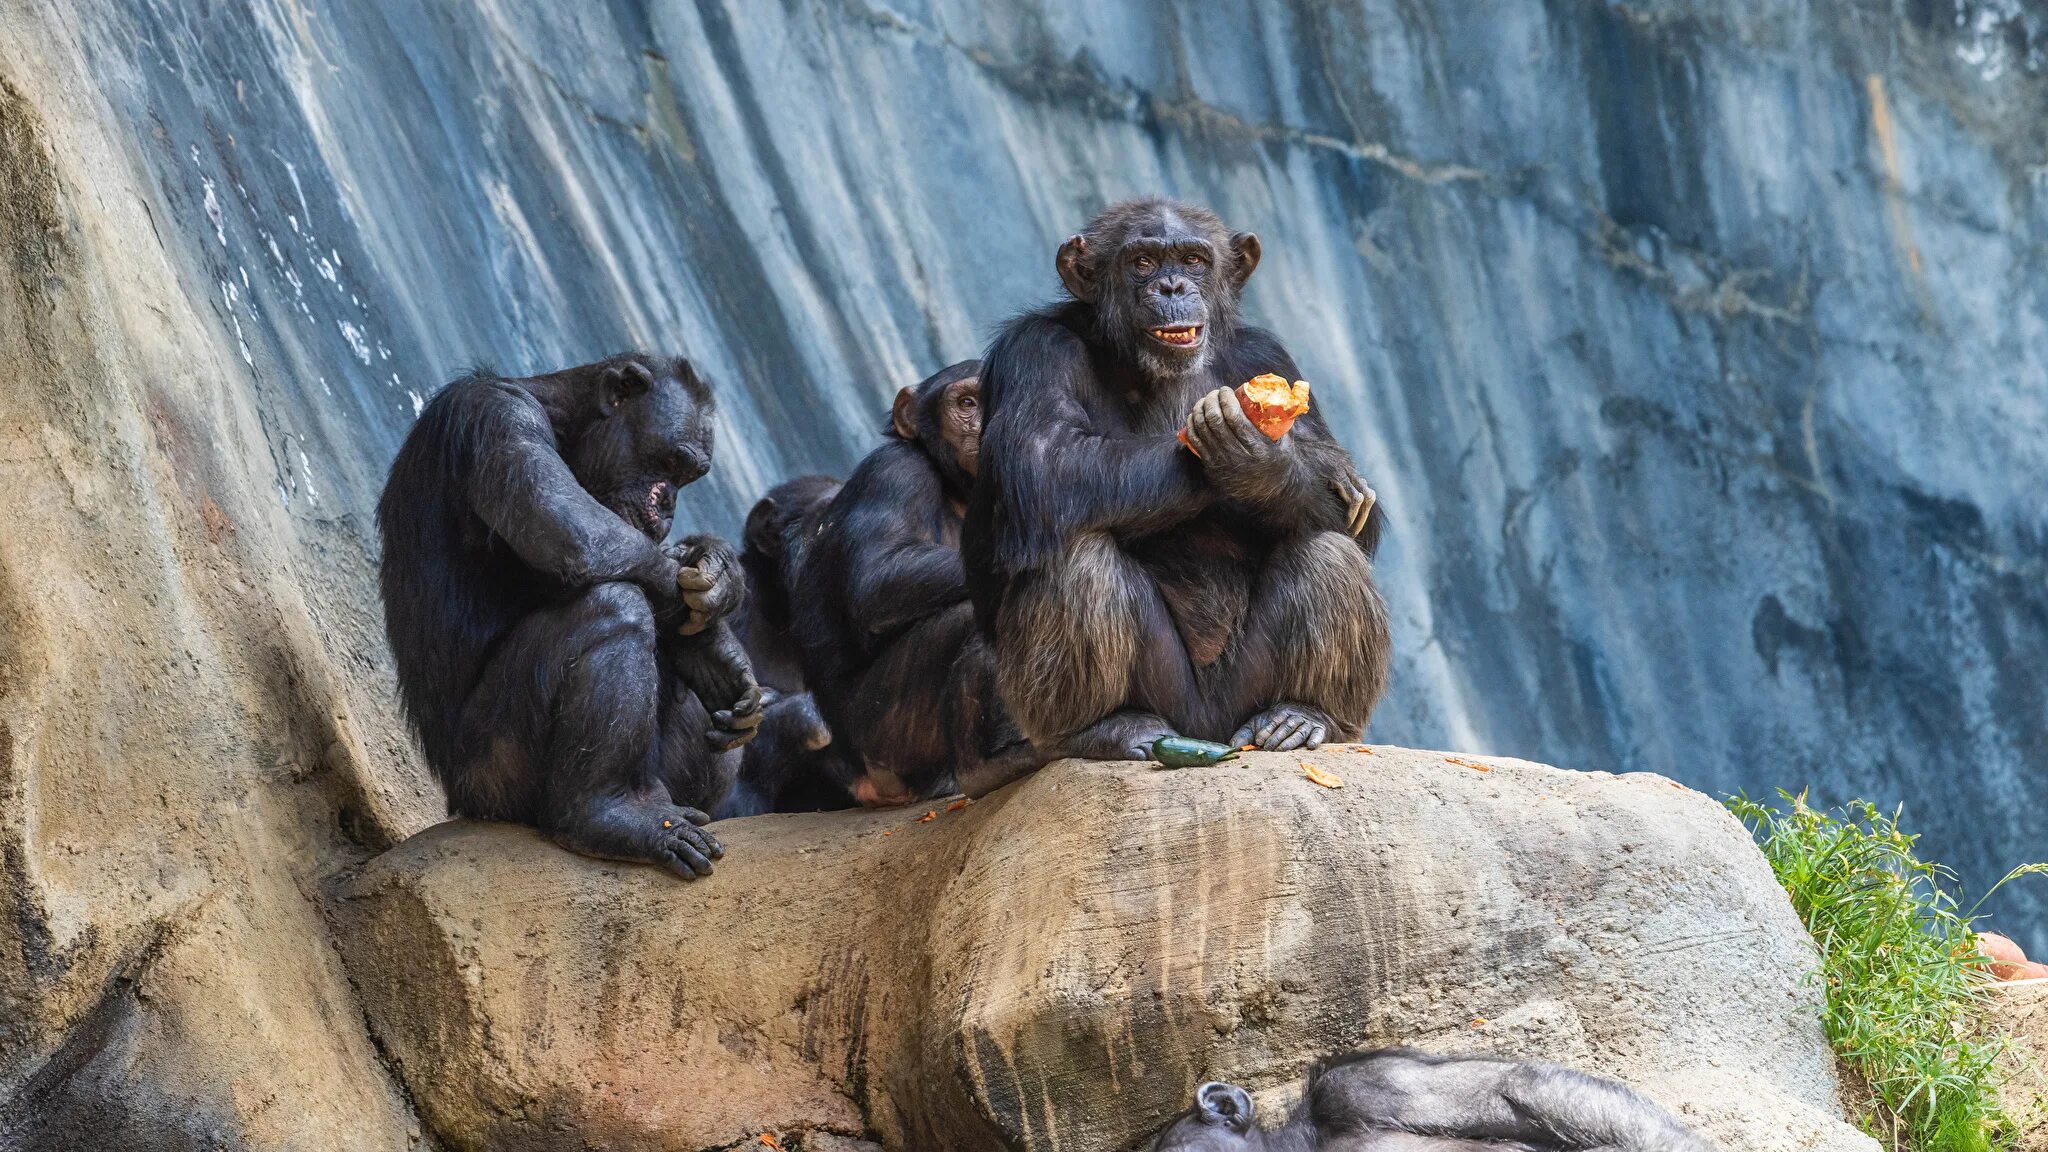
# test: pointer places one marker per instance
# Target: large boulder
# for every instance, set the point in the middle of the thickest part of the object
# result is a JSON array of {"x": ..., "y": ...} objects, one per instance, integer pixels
[{"x": 1058, "y": 965}]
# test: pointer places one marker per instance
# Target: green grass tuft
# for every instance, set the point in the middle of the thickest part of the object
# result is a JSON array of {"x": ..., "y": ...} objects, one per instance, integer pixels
[{"x": 1903, "y": 988}]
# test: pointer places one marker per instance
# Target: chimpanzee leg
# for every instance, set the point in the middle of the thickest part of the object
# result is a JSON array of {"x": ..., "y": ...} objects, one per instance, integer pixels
[
  {"x": 1314, "y": 658},
  {"x": 1085, "y": 651},
  {"x": 570, "y": 712}
]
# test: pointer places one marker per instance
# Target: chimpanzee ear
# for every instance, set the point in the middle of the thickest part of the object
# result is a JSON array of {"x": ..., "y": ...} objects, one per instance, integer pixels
[
  {"x": 622, "y": 383},
  {"x": 1074, "y": 270},
  {"x": 903, "y": 414},
  {"x": 1224, "y": 1104},
  {"x": 1244, "y": 250}
]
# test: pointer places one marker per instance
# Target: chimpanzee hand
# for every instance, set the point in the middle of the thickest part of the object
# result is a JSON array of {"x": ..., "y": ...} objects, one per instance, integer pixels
[
  {"x": 1358, "y": 498},
  {"x": 710, "y": 581},
  {"x": 1241, "y": 461},
  {"x": 734, "y": 726}
]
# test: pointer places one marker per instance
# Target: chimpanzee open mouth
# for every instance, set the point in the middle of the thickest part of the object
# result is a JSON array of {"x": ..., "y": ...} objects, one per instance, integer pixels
[
  {"x": 656, "y": 507},
  {"x": 1179, "y": 335}
]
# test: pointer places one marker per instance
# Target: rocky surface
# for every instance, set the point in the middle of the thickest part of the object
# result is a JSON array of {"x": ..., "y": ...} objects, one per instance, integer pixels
[
  {"x": 1057, "y": 966},
  {"x": 1693, "y": 346},
  {"x": 2022, "y": 1011}
]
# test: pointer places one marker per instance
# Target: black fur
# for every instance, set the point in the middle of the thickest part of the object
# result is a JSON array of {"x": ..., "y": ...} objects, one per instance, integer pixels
[
  {"x": 1403, "y": 1100},
  {"x": 890, "y": 649},
  {"x": 1131, "y": 589},
  {"x": 792, "y": 766},
  {"x": 535, "y": 616}
]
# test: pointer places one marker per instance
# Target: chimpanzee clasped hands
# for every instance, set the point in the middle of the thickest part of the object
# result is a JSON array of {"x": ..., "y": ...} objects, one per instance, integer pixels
[
  {"x": 1257, "y": 471},
  {"x": 711, "y": 586}
]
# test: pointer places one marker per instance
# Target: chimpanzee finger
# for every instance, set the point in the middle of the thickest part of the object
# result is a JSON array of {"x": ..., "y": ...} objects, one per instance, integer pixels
[
  {"x": 1216, "y": 432},
  {"x": 687, "y": 862},
  {"x": 1241, "y": 737},
  {"x": 693, "y": 623},
  {"x": 1241, "y": 428},
  {"x": 696, "y": 816},
  {"x": 701, "y": 839},
  {"x": 746, "y": 713},
  {"x": 1290, "y": 735},
  {"x": 1317, "y": 733},
  {"x": 1199, "y": 428},
  {"x": 1263, "y": 737}
]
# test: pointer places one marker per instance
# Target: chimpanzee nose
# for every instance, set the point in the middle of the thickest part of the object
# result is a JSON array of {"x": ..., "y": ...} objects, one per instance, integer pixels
[
  {"x": 1173, "y": 286},
  {"x": 692, "y": 464}
]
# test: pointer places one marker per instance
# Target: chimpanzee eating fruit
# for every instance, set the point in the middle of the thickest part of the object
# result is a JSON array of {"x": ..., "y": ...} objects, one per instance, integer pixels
[
  {"x": 1134, "y": 587},
  {"x": 561, "y": 666}
]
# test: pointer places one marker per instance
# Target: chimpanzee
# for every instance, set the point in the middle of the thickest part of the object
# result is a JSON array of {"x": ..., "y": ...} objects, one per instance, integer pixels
[
  {"x": 792, "y": 765},
  {"x": 890, "y": 648},
  {"x": 561, "y": 667},
  {"x": 1403, "y": 1100},
  {"x": 778, "y": 533},
  {"x": 1133, "y": 588}
]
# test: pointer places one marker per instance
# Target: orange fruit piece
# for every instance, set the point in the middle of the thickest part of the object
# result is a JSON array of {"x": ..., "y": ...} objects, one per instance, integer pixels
[
  {"x": 768, "y": 1140},
  {"x": 1273, "y": 403},
  {"x": 1318, "y": 776},
  {"x": 927, "y": 817},
  {"x": 1270, "y": 402},
  {"x": 957, "y": 805}
]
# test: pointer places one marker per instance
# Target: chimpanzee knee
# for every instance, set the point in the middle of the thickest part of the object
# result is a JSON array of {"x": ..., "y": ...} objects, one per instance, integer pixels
[
  {"x": 1318, "y": 603},
  {"x": 1067, "y": 638}
]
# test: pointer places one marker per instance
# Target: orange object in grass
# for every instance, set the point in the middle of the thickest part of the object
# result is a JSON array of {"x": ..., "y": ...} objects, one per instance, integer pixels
[{"x": 1271, "y": 403}]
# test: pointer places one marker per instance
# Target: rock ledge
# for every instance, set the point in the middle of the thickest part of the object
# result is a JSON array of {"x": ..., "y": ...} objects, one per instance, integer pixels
[{"x": 1073, "y": 954}]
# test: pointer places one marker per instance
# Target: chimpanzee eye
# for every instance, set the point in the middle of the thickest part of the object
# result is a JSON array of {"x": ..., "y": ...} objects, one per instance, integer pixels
[
  {"x": 1193, "y": 260},
  {"x": 1143, "y": 264},
  {"x": 967, "y": 402}
]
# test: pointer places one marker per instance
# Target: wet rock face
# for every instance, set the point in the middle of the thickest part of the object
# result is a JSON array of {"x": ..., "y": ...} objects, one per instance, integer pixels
[
  {"x": 1692, "y": 346},
  {"x": 1060, "y": 964}
]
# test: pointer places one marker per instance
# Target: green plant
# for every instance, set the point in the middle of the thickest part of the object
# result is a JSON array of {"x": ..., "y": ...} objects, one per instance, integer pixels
[{"x": 1903, "y": 987}]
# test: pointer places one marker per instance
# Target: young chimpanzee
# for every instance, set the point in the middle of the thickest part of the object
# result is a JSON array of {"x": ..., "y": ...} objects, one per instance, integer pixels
[
  {"x": 1133, "y": 588},
  {"x": 777, "y": 536},
  {"x": 890, "y": 648},
  {"x": 560, "y": 666},
  {"x": 1402, "y": 1100},
  {"x": 792, "y": 765}
]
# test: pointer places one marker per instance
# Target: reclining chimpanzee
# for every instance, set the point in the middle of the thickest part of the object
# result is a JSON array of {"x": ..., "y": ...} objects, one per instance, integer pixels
[
  {"x": 1402, "y": 1100},
  {"x": 1133, "y": 589},
  {"x": 561, "y": 667}
]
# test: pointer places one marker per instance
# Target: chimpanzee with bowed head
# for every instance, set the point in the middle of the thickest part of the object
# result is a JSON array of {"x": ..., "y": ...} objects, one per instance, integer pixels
[{"x": 561, "y": 666}]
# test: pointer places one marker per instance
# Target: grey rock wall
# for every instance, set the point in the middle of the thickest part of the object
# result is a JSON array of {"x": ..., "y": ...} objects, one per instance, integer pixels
[{"x": 1695, "y": 348}]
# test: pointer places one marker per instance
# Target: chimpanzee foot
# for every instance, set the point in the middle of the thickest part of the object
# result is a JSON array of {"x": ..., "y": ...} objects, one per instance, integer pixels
[
  {"x": 734, "y": 726},
  {"x": 1117, "y": 736},
  {"x": 649, "y": 833},
  {"x": 1285, "y": 727}
]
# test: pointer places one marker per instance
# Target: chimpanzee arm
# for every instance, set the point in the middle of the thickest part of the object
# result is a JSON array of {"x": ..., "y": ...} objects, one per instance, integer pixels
[
  {"x": 522, "y": 488},
  {"x": 898, "y": 572},
  {"x": 1055, "y": 474}
]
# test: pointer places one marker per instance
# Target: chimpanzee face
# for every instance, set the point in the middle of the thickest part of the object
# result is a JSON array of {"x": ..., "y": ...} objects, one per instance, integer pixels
[
  {"x": 942, "y": 415},
  {"x": 1220, "y": 1121},
  {"x": 1164, "y": 278},
  {"x": 959, "y": 421},
  {"x": 651, "y": 436}
]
